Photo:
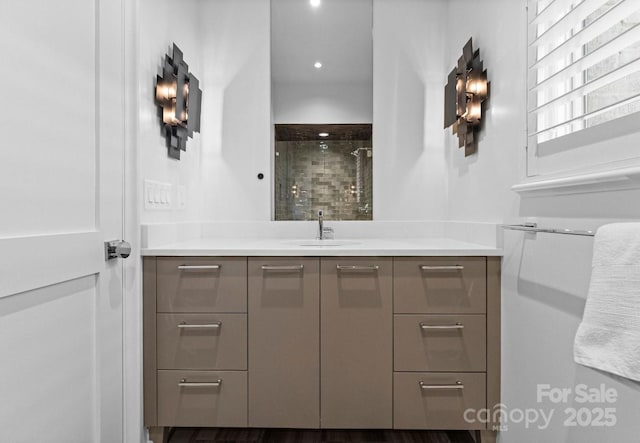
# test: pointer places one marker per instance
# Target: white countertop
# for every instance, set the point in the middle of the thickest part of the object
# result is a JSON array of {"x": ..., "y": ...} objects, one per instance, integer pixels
[{"x": 306, "y": 247}]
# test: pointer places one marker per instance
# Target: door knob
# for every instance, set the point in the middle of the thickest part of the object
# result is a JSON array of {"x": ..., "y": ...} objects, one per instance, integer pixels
[{"x": 116, "y": 248}]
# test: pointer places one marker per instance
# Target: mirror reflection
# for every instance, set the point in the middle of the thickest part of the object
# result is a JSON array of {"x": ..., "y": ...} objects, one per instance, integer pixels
[
  {"x": 326, "y": 167},
  {"x": 322, "y": 83}
]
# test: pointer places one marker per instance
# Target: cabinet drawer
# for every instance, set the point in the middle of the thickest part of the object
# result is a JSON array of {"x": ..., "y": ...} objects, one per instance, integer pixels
[
  {"x": 202, "y": 284},
  {"x": 440, "y": 285},
  {"x": 440, "y": 343},
  {"x": 437, "y": 401},
  {"x": 202, "y": 341},
  {"x": 222, "y": 401}
]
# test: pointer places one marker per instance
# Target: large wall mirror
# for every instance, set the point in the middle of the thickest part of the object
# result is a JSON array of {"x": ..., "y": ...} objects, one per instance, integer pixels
[{"x": 322, "y": 101}]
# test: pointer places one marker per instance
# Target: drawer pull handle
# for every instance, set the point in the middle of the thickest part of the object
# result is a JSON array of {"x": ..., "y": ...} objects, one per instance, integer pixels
[
  {"x": 357, "y": 268},
  {"x": 456, "y": 326},
  {"x": 282, "y": 268},
  {"x": 458, "y": 385},
  {"x": 442, "y": 268},
  {"x": 197, "y": 267},
  {"x": 193, "y": 384},
  {"x": 184, "y": 325}
]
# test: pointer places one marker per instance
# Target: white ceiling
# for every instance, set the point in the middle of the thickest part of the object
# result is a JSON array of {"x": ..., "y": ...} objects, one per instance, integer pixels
[{"x": 338, "y": 33}]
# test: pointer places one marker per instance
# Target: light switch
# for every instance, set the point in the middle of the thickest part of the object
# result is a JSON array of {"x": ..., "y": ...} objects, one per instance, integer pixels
[
  {"x": 157, "y": 195},
  {"x": 148, "y": 192}
]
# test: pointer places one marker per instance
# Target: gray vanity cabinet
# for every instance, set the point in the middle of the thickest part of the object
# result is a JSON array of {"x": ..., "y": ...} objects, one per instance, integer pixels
[
  {"x": 284, "y": 339},
  {"x": 320, "y": 342},
  {"x": 357, "y": 342}
]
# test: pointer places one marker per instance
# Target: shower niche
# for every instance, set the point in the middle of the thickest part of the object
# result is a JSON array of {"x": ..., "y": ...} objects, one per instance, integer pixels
[{"x": 326, "y": 167}]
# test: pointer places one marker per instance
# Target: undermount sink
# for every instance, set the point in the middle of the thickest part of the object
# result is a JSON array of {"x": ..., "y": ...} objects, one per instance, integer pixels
[{"x": 320, "y": 243}]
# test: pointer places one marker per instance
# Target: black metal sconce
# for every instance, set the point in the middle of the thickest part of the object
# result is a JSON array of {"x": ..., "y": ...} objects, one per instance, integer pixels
[
  {"x": 466, "y": 90},
  {"x": 179, "y": 96}
]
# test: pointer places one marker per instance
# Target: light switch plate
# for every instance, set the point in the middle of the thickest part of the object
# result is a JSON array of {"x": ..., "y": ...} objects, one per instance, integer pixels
[{"x": 157, "y": 195}]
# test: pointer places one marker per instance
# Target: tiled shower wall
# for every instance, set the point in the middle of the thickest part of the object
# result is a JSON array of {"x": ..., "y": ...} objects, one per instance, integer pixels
[{"x": 334, "y": 176}]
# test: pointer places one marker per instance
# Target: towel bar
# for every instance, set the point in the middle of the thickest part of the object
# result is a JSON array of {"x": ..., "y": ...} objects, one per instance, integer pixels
[{"x": 533, "y": 227}]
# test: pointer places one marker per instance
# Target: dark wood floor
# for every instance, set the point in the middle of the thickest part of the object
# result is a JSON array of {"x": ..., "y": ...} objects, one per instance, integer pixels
[{"x": 210, "y": 435}]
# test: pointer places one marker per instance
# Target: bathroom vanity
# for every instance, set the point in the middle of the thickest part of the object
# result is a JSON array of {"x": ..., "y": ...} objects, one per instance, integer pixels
[{"x": 352, "y": 336}]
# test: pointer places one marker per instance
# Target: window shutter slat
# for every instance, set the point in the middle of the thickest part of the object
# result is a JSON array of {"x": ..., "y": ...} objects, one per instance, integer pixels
[
  {"x": 569, "y": 21},
  {"x": 613, "y": 46}
]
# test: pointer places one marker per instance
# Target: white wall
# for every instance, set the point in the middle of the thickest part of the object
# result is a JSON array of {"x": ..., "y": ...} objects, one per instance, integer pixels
[
  {"x": 226, "y": 44},
  {"x": 545, "y": 282},
  {"x": 236, "y": 108},
  {"x": 162, "y": 23},
  {"x": 479, "y": 184},
  {"x": 236, "y": 134},
  {"x": 312, "y": 103},
  {"x": 545, "y": 277},
  {"x": 409, "y": 166}
]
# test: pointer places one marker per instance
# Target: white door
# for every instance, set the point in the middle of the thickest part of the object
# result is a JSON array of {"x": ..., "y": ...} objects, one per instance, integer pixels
[{"x": 63, "y": 138}]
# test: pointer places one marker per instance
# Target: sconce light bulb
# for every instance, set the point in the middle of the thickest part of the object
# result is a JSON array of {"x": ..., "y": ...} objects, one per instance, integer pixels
[
  {"x": 165, "y": 91},
  {"x": 315, "y": 3},
  {"x": 478, "y": 87},
  {"x": 169, "y": 115},
  {"x": 317, "y": 65},
  {"x": 474, "y": 111}
]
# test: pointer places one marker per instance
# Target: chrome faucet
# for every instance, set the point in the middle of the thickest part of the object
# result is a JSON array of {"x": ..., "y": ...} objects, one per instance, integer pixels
[{"x": 323, "y": 232}]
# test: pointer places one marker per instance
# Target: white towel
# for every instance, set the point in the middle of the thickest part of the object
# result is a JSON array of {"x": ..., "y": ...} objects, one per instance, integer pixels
[{"x": 609, "y": 336}]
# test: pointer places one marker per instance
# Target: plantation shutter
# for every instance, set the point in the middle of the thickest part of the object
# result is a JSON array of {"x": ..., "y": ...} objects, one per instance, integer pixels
[{"x": 583, "y": 67}]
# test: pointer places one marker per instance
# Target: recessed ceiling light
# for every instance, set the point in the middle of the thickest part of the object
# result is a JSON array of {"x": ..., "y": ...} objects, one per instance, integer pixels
[
  {"x": 324, "y": 134},
  {"x": 315, "y": 3},
  {"x": 318, "y": 65}
]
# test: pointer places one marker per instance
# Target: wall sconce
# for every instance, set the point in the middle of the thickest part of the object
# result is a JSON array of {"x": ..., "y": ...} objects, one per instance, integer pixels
[
  {"x": 179, "y": 97},
  {"x": 466, "y": 90}
]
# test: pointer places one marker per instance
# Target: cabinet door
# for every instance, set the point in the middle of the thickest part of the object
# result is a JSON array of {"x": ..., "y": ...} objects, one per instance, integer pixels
[
  {"x": 284, "y": 342},
  {"x": 356, "y": 342}
]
